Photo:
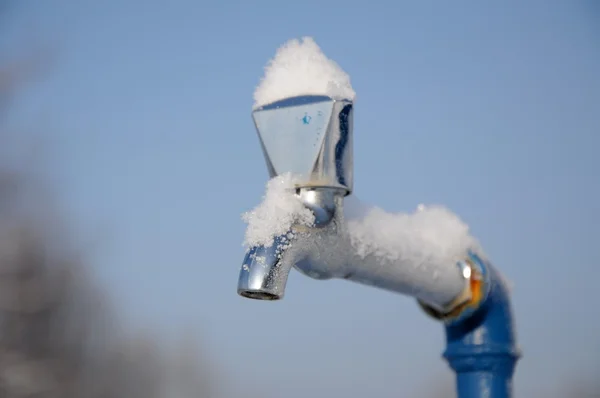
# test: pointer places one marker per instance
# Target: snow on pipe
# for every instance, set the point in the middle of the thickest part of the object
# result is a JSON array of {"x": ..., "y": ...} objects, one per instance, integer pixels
[{"x": 303, "y": 114}]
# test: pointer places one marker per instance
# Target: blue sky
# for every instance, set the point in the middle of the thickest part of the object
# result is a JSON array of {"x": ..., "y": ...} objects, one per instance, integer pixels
[{"x": 492, "y": 110}]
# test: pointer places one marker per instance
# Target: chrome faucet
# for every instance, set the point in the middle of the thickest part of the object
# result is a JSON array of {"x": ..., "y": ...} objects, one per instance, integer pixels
[{"x": 311, "y": 137}]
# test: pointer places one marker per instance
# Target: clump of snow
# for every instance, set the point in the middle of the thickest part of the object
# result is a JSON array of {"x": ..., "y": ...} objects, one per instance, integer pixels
[
  {"x": 301, "y": 68},
  {"x": 279, "y": 210},
  {"x": 431, "y": 235}
]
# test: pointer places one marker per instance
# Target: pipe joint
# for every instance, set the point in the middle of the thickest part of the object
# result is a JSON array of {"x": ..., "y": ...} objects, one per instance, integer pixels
[{"x": 475, "y": 293}]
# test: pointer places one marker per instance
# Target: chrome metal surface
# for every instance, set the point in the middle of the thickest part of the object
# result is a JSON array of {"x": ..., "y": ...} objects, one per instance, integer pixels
[
  {"x": 310, "y": 137},
  {"x": 261, "y": 275},
  {"x": 322, "y": 202}
]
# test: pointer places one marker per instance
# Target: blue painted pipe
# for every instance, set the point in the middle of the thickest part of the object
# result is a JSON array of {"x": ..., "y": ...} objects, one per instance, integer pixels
[{"x": 481, "y": 343}]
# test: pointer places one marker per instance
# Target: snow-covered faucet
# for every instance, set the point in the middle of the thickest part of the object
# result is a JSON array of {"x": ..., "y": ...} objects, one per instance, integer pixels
[
  {"x": 309, "y": 140},
  {"x": 304, "y": 223}
]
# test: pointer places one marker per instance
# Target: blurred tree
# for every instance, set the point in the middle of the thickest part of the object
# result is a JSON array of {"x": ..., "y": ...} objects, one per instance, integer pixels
[{"x": 59, "y": 337}]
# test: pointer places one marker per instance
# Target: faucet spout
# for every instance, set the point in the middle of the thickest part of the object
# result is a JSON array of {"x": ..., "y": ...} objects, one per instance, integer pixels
[{"x": 265, "y": 270}]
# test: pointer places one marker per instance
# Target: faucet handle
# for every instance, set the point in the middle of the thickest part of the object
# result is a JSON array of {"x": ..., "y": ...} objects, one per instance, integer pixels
[{"x": 309, "y": 137}]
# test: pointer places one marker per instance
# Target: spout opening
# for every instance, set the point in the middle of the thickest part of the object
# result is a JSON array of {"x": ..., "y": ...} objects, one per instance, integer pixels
[{"x": 259, "y": 295}]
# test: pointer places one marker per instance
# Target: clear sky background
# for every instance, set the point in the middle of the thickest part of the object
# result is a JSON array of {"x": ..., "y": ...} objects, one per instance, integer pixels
[{"x": 492, "y": 110}]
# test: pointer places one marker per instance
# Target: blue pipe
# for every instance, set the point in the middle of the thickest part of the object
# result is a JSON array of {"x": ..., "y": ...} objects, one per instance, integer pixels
[{"x": 481, "y": 342}]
